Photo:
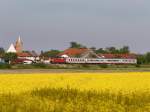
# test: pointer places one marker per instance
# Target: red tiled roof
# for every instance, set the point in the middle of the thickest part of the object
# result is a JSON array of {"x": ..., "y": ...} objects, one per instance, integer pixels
[
  {"x": 73, "y": 51},
  {"x": 124, "y": 56},
  {"x": 17, "y": 61},
  {"x": 24, "y": 54}
]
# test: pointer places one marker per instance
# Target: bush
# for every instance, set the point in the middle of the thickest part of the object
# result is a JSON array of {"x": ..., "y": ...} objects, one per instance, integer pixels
[
  {"x": 104, "y": 66},
  {"x": 4, "y": 66},
  {"x": 40, "y": 65},
  {"x": 85, "y": 65},
  {"x": 138, "y": 65}
]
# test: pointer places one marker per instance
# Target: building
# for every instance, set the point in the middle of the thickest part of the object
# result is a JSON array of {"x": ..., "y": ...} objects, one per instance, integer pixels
[
  {"x": 2, "y": 59},
  {"x": 120, "y": 56},
  {"x": 78, "y": 52},
  {"x": 30, "y": 55},
  {"x": 17, "y": 48},
  {"x": 19, "y": 45},
  {"x": 11, "y": 49}
]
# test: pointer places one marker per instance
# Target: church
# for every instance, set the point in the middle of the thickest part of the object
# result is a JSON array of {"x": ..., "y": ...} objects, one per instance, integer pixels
[
  {"x": 27, "y": 57},
  {"x": 17, "y": 48}
]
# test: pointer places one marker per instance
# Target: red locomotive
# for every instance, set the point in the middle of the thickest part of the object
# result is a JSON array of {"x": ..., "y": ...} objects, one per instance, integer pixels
[{"x": 58, "y": 60}]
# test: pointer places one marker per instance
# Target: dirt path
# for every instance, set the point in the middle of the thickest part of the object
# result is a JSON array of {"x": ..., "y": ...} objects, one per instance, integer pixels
[{"x": 14, "y": 71}]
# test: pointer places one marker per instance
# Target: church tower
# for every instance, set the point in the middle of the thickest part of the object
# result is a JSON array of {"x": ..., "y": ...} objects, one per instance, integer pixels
[{"x": 19, "y": 45}]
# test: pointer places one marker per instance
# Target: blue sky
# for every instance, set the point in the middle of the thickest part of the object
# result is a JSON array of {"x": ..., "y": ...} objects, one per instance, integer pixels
[{"x": 52, "y": 24}]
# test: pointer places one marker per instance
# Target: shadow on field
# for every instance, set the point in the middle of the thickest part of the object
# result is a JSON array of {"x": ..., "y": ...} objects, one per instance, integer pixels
[{"x": 72, "y": 100}]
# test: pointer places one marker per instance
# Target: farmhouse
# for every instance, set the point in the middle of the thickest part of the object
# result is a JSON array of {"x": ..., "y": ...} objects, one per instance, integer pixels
[
  {"x": 78, "y": 53},
  {"x": 30, "y": 55}
]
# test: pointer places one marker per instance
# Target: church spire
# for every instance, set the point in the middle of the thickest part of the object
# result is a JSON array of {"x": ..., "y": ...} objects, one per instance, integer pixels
[
  {"x": 19, "y": 45},
  {"x": 19, "y": 39}
]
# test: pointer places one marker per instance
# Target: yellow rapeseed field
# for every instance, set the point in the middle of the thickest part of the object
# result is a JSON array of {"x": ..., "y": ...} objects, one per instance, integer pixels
[{"x": 126, "y": 82}]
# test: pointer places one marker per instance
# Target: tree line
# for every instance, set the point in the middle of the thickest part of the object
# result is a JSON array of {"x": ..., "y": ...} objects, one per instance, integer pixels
[{"x": 112, "y": 50}]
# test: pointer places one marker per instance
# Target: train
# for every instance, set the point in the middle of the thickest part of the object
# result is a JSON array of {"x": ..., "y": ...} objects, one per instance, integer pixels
[{"x": 92, "y": 61}]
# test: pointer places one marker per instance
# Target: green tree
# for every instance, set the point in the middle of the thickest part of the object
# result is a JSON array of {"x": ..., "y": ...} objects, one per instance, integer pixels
[
  {"x": 147, "y": 57},
  {"x": 76, "y": 45},
  {"x": 2, "y": 51},
  {"x": 9, "y": 57},
  {"x": 125, "y": 49},
  {"x": 112, "y": 50},
  {"x": 141, "y": 59},
  {"x": 51, "y": 53},
  {"x": 100, "y": 50}
]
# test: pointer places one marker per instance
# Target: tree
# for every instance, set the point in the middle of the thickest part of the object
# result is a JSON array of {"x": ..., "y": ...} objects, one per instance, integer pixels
[
  {"x": 147, "y": 57},
  {"x": 76, "y": 45},
  {"x": 2, "y": 51},
  {"x": 100, "y": 50},
  {"x": 9, "y": 57},
  {"x": 51, "y": 53},
  {"x": 93, "y": 48},
  {"x": 141, "y": 59},
  {"x": 125, "y": 49},
  {"x": 112, "y": 50}
]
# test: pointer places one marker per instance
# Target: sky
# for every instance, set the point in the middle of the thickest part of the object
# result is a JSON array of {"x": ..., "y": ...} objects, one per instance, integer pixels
[{"x": 53, "y": 24}]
